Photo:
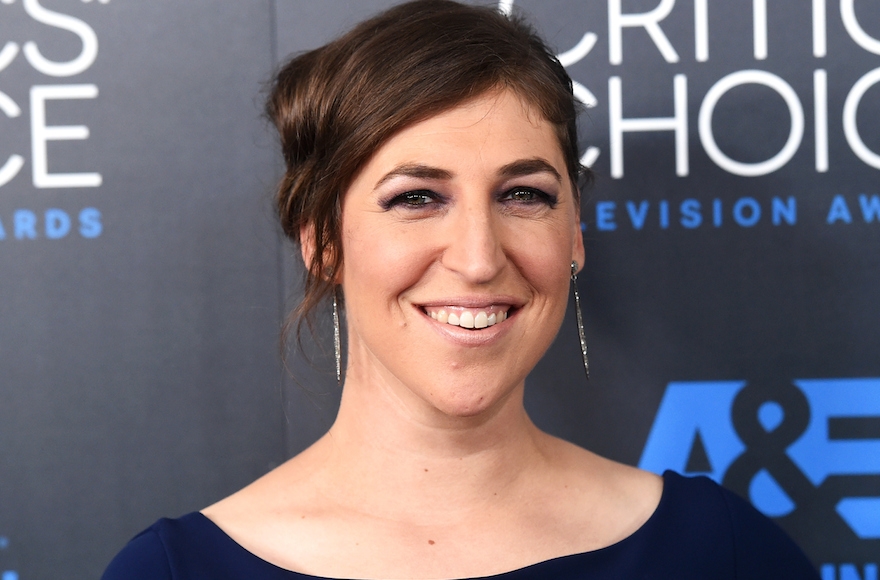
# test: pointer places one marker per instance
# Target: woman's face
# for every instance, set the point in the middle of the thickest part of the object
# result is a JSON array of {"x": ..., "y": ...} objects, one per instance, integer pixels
[{"x": 458, "y": 237}]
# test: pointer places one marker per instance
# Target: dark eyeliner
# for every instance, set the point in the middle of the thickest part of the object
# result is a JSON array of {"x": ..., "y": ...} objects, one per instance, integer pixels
[
  {"x": 549, "y": 199},
  {"x": 400, "y": 200}
]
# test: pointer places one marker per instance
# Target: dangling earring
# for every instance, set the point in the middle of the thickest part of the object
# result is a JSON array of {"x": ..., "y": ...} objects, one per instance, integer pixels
[
  {"x": 336, "y": 344},
  {"x": 580, "y": 318}
]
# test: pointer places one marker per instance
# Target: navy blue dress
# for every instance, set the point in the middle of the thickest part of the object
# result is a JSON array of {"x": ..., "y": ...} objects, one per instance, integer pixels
[{"x": 698, "y": 531}]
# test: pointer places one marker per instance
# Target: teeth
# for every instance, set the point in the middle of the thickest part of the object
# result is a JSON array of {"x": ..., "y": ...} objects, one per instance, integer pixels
[{"x": 468, "y": 319}]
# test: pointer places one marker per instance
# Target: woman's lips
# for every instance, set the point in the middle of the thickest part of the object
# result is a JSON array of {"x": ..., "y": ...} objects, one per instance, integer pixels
[{"x": 472, "y": 318}]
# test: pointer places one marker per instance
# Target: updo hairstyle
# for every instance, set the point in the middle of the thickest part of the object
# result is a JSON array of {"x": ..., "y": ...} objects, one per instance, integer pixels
[{"x": 336, "y": 105}]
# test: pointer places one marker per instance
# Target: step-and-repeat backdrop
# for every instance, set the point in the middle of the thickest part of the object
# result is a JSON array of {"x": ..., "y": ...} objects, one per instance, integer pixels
[{"x": 732, "y": 284}]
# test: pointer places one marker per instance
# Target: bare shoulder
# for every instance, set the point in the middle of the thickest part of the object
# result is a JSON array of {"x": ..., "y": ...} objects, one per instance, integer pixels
[
  {"x": 640, "y": 488},
  {"x": 611, "y": 498},
  {"x": 586, "y": 465},
  {"x": 275, "y": 516},
  {"x": 281, "y": 488}
]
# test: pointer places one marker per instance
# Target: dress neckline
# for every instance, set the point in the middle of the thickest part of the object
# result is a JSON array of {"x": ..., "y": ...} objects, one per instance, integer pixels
[{"x": 671, "y": 480}]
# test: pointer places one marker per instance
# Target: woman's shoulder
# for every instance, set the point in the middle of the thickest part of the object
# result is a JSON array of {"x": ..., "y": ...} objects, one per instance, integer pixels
[
  {"x": 627, "y": 495},
  {"x": 686, "y": 525},
  {"x": 147, "y": 555},
  {"x": 142, "y": 558},
  {"x": 696, "y": 511},
  {"x": 191, "y": 546}
]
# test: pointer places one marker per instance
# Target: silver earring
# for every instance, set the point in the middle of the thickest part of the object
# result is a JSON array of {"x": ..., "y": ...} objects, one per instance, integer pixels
[
  {"x": 580, "y": 318},
  {"x": 336, "y": 344}
]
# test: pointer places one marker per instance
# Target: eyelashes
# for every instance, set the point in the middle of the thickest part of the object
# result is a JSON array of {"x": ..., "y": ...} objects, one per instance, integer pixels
[
  {"x": 418, "y": 198},
  {"x": 423, "y": 198},
  {"x": 530, "y": 195}
]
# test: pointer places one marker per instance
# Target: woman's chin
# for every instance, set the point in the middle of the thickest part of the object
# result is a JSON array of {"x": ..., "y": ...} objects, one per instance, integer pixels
[{"x": 469, "y": 402}]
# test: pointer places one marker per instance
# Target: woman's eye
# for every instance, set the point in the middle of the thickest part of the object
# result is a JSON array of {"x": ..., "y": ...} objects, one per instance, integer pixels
[
  {"x": 416, "y": 198},
  {"x": 411, "y": 199},
  {"x": 523, "y": 195},
  {"x": 529, "y": 195}
]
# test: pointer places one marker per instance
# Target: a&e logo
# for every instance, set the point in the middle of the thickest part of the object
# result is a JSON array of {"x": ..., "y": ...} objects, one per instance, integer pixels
[{"x": 806, "y": 452}]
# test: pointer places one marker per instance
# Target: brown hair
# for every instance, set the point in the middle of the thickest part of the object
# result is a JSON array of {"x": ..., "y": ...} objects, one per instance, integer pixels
[{"x": 336, "y": 105}]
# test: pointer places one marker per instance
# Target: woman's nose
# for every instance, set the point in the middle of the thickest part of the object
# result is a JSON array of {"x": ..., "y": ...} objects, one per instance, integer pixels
[{"x": 474, "y": 247}]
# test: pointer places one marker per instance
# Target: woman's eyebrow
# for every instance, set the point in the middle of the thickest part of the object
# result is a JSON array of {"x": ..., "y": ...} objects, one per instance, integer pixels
[
  {"x": 517, "y": 168},
  {"x": 522, "y": 167},
  {"x": 416, "y": 170}
]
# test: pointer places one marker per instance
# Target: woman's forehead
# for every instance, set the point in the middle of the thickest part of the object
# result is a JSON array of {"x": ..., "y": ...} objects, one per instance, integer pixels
[{"x": 496, "y": 127}]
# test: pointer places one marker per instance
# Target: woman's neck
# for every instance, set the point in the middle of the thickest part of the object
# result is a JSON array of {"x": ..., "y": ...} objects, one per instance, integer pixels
[{"x": 394, "y": 457}]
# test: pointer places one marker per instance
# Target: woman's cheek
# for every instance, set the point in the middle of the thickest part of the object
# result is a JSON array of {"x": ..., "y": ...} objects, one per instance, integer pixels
[
  {"x": 391, "y": 255},
  {"x": 543, "y": 251}
]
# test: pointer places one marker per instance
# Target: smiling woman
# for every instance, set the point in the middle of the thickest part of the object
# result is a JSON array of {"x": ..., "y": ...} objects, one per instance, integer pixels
[
  {"x": 464, "y": 215},
  {"x": 432, "y": 184}
]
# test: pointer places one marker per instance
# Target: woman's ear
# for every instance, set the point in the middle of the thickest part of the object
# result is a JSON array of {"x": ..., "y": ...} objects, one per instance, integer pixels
[
  {"x": 578, "y": 253},
  {"x": 307, "y": 247},
  {"x": 307, "y": 243}
]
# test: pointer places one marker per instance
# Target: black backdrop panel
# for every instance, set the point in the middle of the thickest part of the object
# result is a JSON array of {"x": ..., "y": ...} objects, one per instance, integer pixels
[{"x": 139, "y": 309}]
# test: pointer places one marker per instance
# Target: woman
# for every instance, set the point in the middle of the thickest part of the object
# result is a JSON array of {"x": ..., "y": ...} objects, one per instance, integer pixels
[{"x": 432, "y": 184}]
